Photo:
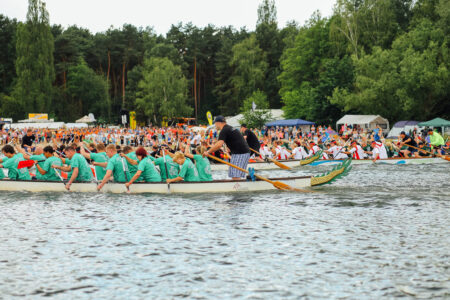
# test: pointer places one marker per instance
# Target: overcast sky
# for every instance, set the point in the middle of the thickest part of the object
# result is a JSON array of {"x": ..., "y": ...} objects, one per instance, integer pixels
[{"x": 99, "y": 15}]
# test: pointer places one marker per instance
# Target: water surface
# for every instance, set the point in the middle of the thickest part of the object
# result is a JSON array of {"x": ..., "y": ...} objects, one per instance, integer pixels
[{"x": 381, "y": 232}]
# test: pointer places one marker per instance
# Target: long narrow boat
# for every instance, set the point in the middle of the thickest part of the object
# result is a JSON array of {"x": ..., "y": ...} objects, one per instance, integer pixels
[
  {"x": 297, "y": 163},
  {"x": 216, "y": 186}
]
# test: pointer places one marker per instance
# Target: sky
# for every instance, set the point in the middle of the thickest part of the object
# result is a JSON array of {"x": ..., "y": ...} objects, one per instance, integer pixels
[{"x": 99, "y": 15}]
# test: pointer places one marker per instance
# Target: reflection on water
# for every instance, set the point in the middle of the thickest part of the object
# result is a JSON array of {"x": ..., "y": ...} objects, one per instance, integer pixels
[{"x": 381, "y": 232}]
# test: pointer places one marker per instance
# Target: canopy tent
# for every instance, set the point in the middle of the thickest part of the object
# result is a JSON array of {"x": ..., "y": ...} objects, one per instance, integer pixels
[
  {"x": 437, "y": 122},
  {"x": 406, "y": 126},
  {"x": 289, "y": 123},
  {"x": 369, "y": 122}
]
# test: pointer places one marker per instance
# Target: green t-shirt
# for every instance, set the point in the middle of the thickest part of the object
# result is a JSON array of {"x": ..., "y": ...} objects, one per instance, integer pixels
[
  {"x": 41, "y": 158},
  {"x": 84, "y": 170},
  {"x": 101, "y": 158},
  {"x": 2, "y": 175},
  {"x": 203, "y": 168},
  {"x": 149, "y": 172},
  {"x": 132, "y": 168},
  {"x": 172, "y": 167},
  {"x": 116, "y": 164},
  {"x": 188, "y": 171},
  {"x": 51, "y": 173},
  {"x": 14, "y": 173}
]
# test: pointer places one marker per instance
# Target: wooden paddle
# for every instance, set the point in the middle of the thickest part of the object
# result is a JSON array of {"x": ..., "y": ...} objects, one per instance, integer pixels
[
  {"x": 425, "y": 151},
  {"x": 282, "y": 166},
  {"x": 279, "y": 185}
]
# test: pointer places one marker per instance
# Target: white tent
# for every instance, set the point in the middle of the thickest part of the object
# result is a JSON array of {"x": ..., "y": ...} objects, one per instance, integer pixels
[
  {"x": 364, "y": 121},
  {"x": 85, "y": 119},
  {"x": 49, "y": 125},
  {"x": 277, "y": 114}
]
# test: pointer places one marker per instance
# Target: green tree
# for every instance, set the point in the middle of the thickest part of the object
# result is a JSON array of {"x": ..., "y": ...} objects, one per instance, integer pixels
[
  {"x": 249, "y": 69},
  {"x": 255, "y": 110},
  {"x": 34, "y": 64},
  {"x": 8, "y": 54},
  {"x": 311, "y": 71},
  {"x": 270, "y": 41},
  {"x": 409, "y": 81},
  {"x": 162, "y": 91},
  {"x": 10, "y": 107},
  {"x": 87, "y": 92}
]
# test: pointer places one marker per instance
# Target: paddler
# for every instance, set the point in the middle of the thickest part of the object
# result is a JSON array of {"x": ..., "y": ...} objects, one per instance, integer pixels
[
  {"x": 436, "y": 141},
  {"x": 116, "y": 166},
  {"x": 233, "y": 139},
  {"x": 99, "y": 159},
  {"x": 201, "y": 163},
  {"x": 37, "y": 156},
  {"x": 356, "y": 151},
  {"x": 12, "y": 163},
  {"x": 47, "y": 171},
  {"x": 188, "y": 171},
  {"x": 406, "y": 140},
  {"x": 77, "y": 166},
  {"x": 336, "y": 151},
  {"x": 146, "y": 168},
  {"x": 378, "y": 151},
  {"x": 167, "y": 167}
]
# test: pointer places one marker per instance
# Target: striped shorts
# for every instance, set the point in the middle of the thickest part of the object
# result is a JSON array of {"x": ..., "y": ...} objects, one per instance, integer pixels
[{"x": 240, "y": 160}]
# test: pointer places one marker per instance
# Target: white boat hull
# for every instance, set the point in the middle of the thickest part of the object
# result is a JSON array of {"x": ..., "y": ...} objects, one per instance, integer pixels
[
  {"x": 219, "y": 186},
  {"x": 296, "y": 163}
]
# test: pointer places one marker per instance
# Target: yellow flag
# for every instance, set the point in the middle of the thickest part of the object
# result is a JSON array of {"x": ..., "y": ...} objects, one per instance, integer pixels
[{"x": 209, "y": 117}]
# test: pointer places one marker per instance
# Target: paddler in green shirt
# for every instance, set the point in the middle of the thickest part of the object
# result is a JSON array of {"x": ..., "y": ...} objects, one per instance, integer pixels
[
  {"x": 99, "y": 159},
  {"x": 169, "y": 166},
  {"x": 436, "y": 140},
  {"x": 201, "y": 163},
  {"x": 146, "y": 168},
  {"x": 37, "y": 156},
  {"x": 47, "y": 171},
  {"x": 12, "y": 163},
  {"x": 116, "y": 167},
  {"x": 188, "y": 171},
  {"x": 131, "y": 159},
  {"x": 78, "y": 168}
]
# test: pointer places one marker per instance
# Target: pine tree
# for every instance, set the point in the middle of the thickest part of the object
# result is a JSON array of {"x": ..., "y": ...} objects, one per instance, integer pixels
[{"x": 34, "y": 63}]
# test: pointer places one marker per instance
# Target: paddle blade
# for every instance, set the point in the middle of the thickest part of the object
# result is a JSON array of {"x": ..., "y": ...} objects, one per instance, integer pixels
[
  {"x": 283, "y": 186},
  {"x": 25, "y": 164},
  {"x": 282, "y": 166}
]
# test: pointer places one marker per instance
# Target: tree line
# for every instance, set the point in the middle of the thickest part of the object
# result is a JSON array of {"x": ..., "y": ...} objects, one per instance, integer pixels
[{"x": 387, "y": 57}]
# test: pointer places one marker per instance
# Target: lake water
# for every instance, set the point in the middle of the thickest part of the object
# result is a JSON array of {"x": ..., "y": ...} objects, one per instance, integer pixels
[{"x": 380, "y": 232}]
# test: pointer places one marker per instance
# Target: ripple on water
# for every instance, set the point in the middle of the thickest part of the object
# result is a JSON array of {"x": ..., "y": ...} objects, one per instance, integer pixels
[{"x": 381, "y": 232}]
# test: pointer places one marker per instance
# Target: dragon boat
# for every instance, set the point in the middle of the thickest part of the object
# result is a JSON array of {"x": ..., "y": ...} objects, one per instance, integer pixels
[
  {"x": 216, "y": 186},
  {"x": 316, "y": 161}
]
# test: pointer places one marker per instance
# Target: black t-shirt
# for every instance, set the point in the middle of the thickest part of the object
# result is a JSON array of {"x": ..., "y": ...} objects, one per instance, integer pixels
[
  {"x": 410, "y": 143},
  {"x": 252, "y": 140},
  {"x": 234, "y": 140},
  {"x": 28, "y": 140}
]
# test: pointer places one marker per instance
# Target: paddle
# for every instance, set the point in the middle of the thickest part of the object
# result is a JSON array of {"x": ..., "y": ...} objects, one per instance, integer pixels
[
  {"x": 282, "y": 166},
  {"x": 165, "y": 166},
  {"x": 125, "y": 172},
  {"x": 277, "y": 184},
  {"x": 425, "y": 151}
]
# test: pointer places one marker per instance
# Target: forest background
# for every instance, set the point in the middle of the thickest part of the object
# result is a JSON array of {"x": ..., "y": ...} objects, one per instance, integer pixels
[{"x": 386, "y": 57}]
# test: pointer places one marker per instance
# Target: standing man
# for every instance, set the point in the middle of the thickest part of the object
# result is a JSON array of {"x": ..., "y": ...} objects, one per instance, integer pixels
[
  {"x": 250, "y": 137},
  {"x": 240, "y": 153}
]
